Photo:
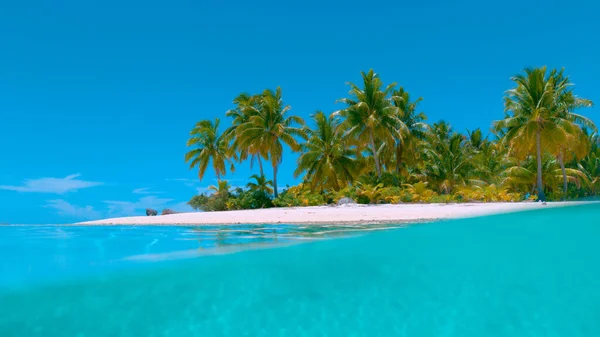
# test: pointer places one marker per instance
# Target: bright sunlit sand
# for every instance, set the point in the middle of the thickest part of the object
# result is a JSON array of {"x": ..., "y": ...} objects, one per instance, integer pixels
[{"x": 359, "y": 214}]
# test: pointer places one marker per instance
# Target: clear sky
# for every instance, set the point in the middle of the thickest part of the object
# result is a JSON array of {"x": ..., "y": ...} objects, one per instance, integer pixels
[{"x": 97, "y": 97}]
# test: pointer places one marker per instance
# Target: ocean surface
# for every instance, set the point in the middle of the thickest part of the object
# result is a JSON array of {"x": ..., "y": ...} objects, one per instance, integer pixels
[{"x": 534, "y": 273}]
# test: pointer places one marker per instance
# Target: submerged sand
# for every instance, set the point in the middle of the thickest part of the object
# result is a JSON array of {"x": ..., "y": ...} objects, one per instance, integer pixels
[{"x": 347, "y": 214}]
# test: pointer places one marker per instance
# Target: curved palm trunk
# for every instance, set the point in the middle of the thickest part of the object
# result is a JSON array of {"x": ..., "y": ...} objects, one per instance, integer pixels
[
  {"x": 375, "y": 156},
  {"x": 262, "y": 174},
  {"x": 399, "y": 151},
  {"x": 540, "y": 186},
  {"x": 275, "y": 192},
  {"x": 564, "y": 174},
  {"x": 218, "y": 175}
]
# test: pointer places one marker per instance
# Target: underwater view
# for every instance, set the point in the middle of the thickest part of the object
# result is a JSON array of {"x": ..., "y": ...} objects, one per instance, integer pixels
[{"x": 532, "y": 273}]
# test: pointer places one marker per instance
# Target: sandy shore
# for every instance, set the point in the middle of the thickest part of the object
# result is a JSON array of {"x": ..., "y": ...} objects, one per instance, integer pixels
[{"x": 357, "y": 214}]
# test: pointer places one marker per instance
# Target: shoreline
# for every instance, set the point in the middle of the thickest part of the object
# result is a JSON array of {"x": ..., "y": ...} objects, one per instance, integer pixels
[{"x": 336, "y": 215}]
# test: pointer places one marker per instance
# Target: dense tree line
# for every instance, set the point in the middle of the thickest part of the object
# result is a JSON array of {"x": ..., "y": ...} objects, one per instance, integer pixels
[{"x": 379, "y": 149}]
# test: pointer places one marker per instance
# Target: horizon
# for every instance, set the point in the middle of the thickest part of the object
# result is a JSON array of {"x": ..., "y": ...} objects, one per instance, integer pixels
[{"x": 98, "y": 99}]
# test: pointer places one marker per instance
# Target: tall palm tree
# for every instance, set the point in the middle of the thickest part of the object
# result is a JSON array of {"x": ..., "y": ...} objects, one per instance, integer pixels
[
  {"x": 412, "y": 123},
  {"x": 269, "y": 128},
  {"x": 209, "y": 146},
  {"x": 532, "y": 123},
  {"x": 370, "y": 117},
  {"x": 576, "y": 146},
  {"x": 246, "y": 107},
  {"x": 260, "y": 184},
  {"x": 326, "y": 159}
]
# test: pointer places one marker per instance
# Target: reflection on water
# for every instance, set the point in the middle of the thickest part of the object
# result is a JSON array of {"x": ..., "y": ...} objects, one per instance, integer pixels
[
  {"x": 528, "y": 274},
  {"x": 32, "y": 254},
  {"x": 245, "y": 234}
]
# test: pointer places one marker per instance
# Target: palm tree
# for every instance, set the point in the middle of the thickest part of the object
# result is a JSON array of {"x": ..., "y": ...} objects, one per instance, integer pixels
[
  {"x": 246, "y": 107},
  {"x": 489, "y": 161},
  {"x": 326, "y": 159},
  {"x": 522, "y": 176},
  {"x": 576, "y": 146},
  {"x": 590, "y": 165},
  {"x": 413, "y": 124},
  {"x": 269, "y": 128},
  {"x": 532, "y": 122},
  {"x": 261, "y": 184},
  {"x": 370, "y": 117},
  {"x": 448, "y": 159},
  {"x": 222, "y": 187},
  {"x": 476, "y": 139},
  {"x": 210, "y": 146}
]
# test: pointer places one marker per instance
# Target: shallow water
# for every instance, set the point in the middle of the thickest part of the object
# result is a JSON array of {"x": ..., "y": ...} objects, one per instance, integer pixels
[
  {"x": 526, "y": 274},
  {"x": 34, "y": 255}
]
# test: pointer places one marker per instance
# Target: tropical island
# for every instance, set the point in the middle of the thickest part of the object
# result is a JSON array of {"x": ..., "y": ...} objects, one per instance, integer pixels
[{"x": 380, "y": 149}]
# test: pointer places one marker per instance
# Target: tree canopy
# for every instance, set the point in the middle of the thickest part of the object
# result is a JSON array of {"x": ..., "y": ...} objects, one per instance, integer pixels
[{"x": 378, "y": 148}]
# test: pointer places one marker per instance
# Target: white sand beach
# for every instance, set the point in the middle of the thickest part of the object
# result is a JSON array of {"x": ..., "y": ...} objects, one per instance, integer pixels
[{"x": 350, "y": 214}]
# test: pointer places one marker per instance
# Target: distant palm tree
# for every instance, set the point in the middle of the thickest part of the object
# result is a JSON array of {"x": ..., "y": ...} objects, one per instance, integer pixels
[
  {"x": 489, "y": 161},
  {"x": 476, "y": 139},
  {"x": 449, "y": 161},
  {"x": 269, "y": 128},
  {"x": 590, "y": 166},
  {"x": 209, "y": 146},
  {"x": 222, "y": 187},
  {"x": 370, "y": 118},
  {"x": 533, "y": 123},
  {"x": 413, "y": 125},
  {"x": 260, "y": 184},
  {"x": 326, "y": 159}
]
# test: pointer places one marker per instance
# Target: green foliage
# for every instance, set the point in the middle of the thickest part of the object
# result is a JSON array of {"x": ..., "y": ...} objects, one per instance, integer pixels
[
  {"x": 250, "y": 200},
  {"x": 389, "y": 179},
  {"x": 488, "y": 193},
  {"x": 419, "y": 192},
  {"x": 449, "y": 158},
  {"x": 209, "y": 146},
  {"x": 441, "y": 199},
  {"x": 217, "y": 201},
  {"x": 378, "y": 149},
  {"x": 413, "y": 132},
  {"x": 265, "y": 127},
  {"x": 539, "y": 119},
  {"x": 346, "y": 192},
  {"x": 368, "y": 194},
  {"x": 210, "y": 203},
  {"x": 326, "y": 160},
  {"x": 223, "y": 199},
  {"x": 370, "y": 118},
  {"x": 298, "y": 196},
  {"x": 392, "y": 195},
  {"x": 198, "y": 201},
  {"x": 260, "y": 184}
]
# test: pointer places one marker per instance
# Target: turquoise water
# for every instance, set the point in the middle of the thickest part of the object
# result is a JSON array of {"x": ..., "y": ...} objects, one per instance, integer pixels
[{"x": 526, "y": 274}]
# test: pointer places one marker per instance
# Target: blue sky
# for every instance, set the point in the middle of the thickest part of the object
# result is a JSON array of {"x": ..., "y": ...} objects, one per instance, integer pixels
[{"x": 97, "y": 97}]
